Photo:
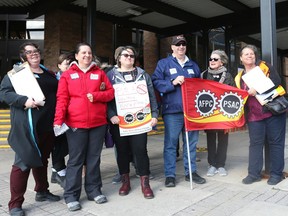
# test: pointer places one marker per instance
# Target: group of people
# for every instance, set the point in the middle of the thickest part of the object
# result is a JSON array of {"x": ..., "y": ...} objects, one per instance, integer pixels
[{"x": 83, "y": 97}]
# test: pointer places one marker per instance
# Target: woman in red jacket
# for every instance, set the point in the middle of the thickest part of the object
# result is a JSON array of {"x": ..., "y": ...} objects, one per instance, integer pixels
[{"x": 82, "y": 96}]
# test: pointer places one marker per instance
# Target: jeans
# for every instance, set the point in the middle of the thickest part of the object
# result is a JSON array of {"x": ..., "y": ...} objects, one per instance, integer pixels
[
  {"x": 272, "y": 130},
  {"x": 174, "y": 125}
]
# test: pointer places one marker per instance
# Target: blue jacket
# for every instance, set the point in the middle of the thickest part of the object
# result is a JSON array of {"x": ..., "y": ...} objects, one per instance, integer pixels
[{"x": 166, "y": 71}]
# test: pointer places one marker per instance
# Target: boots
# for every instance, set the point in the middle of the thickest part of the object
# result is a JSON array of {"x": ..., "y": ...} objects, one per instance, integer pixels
[
  {"x": 146, "y": 190},
  {"x": 125, "y": 188}
]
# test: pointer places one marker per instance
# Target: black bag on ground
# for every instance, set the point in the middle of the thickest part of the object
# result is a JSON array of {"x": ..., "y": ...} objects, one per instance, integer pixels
[{"x": 278, "y": 105}]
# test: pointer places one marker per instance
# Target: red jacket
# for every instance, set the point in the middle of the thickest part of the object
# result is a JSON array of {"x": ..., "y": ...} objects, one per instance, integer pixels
[{"x": 73, "y": 106}]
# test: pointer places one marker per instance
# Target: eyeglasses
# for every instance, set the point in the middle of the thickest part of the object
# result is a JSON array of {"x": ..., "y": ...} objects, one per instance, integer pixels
[
  {"x": 127, "y": 55},
  {"x": 179, "y": 44},
  {"x": 32, "y": 52},
  {"x": 213, "y": 59}
]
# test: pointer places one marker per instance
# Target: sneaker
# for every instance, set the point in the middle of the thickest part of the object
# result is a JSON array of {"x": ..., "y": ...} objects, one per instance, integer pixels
[
  {"x": 100, "y": 199},
  {"x": 53, "y": 177},
  {"x": 17, "y": 212},
  {"x": 273, "y": 181},
  {"x": 250, "y": 180},
  {"x": 195, "y": 178},
  {"x": 211, "y": 171},
  {"x": 170, "y": 182},
  {"x": 116, "y": 179},
  {"x": 222, "y": 171},
  {"x": 46, "y": 196},
  {"x": 74, "y": 206}
]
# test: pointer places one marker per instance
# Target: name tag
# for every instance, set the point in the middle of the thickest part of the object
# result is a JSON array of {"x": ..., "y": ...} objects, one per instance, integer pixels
[
  {"x": 173, "y": 71},
  {"x": 74, "y": 76},
  {"x": 94, "y": 76},
  {"x": 128, "y": 77},
  {"x": 190, "y": 71}
]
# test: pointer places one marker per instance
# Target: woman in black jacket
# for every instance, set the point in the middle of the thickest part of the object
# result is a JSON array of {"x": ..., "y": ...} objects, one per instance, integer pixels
[
  {"x": 217, "y": 152},
  {"x": 31, "y": 135}
]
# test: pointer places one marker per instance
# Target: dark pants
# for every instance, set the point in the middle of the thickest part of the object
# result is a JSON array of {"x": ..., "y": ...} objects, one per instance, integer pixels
[
  {"x": 217, "y": 152},
  {"x": 19, "y": 178},
  {"x": 85, "y": 146},
  {"x": 137, "y": 144},
  {"x": 59, "y": 152},
  {"x": 272, "y": 130}
]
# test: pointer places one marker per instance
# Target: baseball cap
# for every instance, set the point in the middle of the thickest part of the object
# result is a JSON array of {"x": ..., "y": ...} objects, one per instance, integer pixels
[{"x": 177, "y": 39}]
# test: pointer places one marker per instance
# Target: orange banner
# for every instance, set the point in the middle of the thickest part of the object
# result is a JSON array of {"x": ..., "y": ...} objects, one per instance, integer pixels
[{"x": 211, "y": 105}]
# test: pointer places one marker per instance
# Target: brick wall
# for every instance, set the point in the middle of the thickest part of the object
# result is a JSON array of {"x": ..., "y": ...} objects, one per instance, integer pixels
[
  {"x": 151, "y": 52},
  {"x": 62, "y": 35}
]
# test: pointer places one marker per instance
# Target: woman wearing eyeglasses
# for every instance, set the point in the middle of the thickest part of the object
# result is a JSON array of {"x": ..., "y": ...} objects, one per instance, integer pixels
[
  {"x": 217, "y": 151},
  {"x": 31, "y": 135},
  {"x": 127, "y": 72}
]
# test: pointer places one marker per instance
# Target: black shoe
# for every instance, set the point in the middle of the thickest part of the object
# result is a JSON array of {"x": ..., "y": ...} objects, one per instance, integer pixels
[
  {"x": 250, "y": 180},
  {"x": 195, "y": 178},
  {"x": 170, "y": 182},
  {"x": 61, "y": 180},
  {"x": 46, "y": 196},
  {"x": 53, "y": 177},
  {"x": 17, "y": 212}
]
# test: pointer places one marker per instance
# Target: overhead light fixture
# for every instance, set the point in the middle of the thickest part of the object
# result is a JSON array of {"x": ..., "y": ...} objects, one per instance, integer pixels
[{"x": 133, "y": 12}]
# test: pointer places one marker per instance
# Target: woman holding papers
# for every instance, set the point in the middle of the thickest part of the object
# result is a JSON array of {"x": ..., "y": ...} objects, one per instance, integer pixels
[
  {"x": 128, "y": 76},
  {"x": 82, "y": 96},
  {"x": 263, "y": 126},
  {"x": 31, "y": 135},
  {"x": 217, "y": 152}
]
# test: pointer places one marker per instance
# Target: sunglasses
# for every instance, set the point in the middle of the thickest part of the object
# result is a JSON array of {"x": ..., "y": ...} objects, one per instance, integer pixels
[
  {"x": 32, "y": 52},
  {"x": 127, "y": 55},
  {"x": 213, "y": 59},
  {"x": 179, "y": 44}
]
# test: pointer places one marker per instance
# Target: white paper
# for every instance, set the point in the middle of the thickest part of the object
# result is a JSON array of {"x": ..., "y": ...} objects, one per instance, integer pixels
[
  {"x": 60, "y": 130},
  {"x": 25, "y": 83},
  {"x": 256, "y": 79},
  {"x": 133, "y": 108}
]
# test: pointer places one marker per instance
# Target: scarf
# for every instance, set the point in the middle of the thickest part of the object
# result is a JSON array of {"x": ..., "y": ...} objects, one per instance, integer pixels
[{"x": 220, "y": 70}]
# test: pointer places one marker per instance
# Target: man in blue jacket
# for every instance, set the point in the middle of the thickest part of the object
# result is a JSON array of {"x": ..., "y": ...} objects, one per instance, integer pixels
[{"x": 167, "y": 79}]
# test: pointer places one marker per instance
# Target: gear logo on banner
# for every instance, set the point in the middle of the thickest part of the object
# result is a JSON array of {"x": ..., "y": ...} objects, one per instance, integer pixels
[
  {"x": 205, "y": 103},
  {"x": 230, "y": 104}
]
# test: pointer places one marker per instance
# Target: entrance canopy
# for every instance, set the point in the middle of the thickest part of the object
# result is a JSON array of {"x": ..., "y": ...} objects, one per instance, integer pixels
[{"x": 170, "y": 17}]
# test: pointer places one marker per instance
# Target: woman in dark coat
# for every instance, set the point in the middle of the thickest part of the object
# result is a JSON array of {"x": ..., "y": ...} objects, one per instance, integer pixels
[{"x": 31, "y": 135}]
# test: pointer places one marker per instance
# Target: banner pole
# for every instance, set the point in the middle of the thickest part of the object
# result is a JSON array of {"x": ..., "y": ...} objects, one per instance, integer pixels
[{"x": 189, "y": 158}]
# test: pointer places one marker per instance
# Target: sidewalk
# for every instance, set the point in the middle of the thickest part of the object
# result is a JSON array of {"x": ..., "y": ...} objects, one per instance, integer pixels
[{"x": 220, "y": 196}]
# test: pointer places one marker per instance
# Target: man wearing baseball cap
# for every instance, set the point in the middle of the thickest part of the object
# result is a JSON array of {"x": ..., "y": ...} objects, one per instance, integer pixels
[{"x": 167, "y": 79}]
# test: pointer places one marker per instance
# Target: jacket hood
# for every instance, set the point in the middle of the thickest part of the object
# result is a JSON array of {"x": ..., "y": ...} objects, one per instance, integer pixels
[{"x": 75, "y": 66}]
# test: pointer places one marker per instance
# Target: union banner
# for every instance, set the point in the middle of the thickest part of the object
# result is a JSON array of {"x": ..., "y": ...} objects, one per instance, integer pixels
[{"x": 211, "y": 105}]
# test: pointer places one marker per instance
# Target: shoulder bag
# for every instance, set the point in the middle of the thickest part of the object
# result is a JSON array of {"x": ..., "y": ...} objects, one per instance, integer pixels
[{"x": 278, "y": 105}]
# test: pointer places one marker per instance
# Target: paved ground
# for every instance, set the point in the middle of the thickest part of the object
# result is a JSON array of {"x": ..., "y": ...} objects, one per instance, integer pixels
[{"x": 220, "y": 196}]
